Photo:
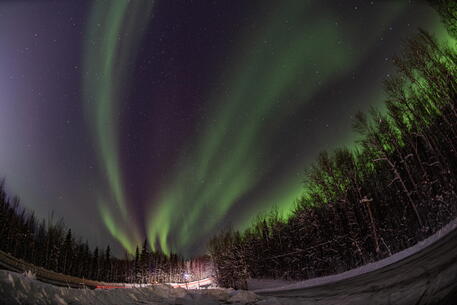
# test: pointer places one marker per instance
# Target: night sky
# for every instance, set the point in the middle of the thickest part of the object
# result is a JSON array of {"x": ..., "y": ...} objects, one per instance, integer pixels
[{"x": 174, "y": 119}]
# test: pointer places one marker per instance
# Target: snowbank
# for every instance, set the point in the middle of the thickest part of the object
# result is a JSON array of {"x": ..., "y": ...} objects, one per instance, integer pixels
[{"x": 16, "y": 288}]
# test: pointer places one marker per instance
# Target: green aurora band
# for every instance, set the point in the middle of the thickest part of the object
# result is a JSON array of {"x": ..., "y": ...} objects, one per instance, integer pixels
[
  {"x": 113, "y": 35},
  {"x": 225, "y": 162},
  {"x": 279, "y": 66}
]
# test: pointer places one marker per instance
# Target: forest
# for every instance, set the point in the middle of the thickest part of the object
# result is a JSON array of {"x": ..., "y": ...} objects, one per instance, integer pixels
[
  {"x": 51, "y": 245},
  {"x": 394, "y": 187}
]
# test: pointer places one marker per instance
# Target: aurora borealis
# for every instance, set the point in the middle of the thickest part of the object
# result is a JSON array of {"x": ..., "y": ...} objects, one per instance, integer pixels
[
  {"x": 112, "y": 35},
  {"x": 171, "y": 120}
]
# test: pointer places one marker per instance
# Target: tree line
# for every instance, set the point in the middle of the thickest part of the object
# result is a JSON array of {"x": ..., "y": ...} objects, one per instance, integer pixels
[
  {"x": 396, "y": 186},
  {"x": 51, "y": 245}
]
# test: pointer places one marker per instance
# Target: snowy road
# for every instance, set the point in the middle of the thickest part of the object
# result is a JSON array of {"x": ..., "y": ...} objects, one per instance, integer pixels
[{"x": 423, "y": 274}]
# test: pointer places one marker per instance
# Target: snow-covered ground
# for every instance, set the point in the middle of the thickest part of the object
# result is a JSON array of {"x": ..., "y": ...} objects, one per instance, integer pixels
[{"x": 16, "y": 288}]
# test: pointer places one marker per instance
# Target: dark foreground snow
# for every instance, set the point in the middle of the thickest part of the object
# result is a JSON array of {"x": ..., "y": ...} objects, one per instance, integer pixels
[
  {"x": 269, "y": 285},
  {"x": 423, "y": 274},
  {"x": 17, "y": 288}
]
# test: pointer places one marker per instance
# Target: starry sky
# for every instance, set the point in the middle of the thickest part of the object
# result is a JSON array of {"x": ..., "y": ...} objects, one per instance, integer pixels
[{"x": 170, "y": 120}]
